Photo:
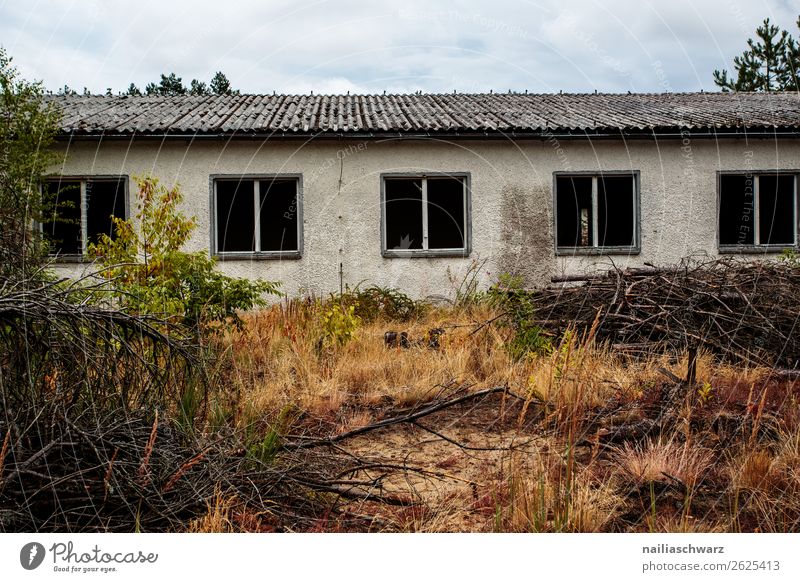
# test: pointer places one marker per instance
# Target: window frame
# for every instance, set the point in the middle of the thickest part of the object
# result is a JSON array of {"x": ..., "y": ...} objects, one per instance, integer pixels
[
  {"x": 84, "y": 227},
  {"x": 257, "y": 254},
  {"x": 463, "y": 252},
  {"x": 633, "y": 249},
  {"x": 757, "y": 248}
]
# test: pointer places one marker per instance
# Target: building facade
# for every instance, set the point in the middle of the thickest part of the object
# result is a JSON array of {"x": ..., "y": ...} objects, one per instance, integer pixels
[{"x": 417, "y": 191}]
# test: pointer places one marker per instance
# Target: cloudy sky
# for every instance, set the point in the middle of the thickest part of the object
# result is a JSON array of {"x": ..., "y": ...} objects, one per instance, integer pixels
[{"x": 331, "y": 46}]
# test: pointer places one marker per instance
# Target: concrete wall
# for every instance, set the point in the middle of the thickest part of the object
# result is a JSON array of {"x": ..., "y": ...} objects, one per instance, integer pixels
[{"x": 512, "y": 199}]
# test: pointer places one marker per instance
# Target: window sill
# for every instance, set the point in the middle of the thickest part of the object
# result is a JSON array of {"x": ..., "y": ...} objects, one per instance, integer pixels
[
  {"x": 425, "y": 254},
  {"x": 267, "y": 256},
  {"x": 755, "y": 249},
  {"x": 596, "y": 251}
]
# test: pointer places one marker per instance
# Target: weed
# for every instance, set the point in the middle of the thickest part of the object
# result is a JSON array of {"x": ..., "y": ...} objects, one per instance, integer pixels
[{"x": 339, "y": 324}]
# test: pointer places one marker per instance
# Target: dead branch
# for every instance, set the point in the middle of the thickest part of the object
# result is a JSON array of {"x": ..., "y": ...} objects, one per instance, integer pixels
[{"x": 410, "y": 418}]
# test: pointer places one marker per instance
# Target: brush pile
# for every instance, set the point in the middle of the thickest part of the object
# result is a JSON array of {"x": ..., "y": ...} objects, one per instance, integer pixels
[{"x": 745, "y": 312}]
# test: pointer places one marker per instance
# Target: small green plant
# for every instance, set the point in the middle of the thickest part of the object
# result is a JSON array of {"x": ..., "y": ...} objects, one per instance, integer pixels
[
  {"x": 266, "y": 450},
  {"x": 705, "y": 394},
  {"x": 790, "y": 257},
  {"x": 149, "y": 273},
  {"x": 508, "y": 293},
  {"x": 339, "y": 324},
  {"x": 376, "y": 302},
  {"x": 467, "y": 287}
]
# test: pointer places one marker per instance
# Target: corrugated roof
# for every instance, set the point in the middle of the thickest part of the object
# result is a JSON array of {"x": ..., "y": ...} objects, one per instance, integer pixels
[{"x": 427, "y": 113}]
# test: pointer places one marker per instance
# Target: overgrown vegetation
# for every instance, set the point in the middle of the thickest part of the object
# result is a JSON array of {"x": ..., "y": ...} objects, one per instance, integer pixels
[
  {"x": 148, "y": 271},
  {"x": 145, "y": 400},
  {"x": 27, "y": 130}
]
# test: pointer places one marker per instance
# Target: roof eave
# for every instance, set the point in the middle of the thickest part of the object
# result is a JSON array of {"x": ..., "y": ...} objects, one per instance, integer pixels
[{"x": 537, "y": 134}]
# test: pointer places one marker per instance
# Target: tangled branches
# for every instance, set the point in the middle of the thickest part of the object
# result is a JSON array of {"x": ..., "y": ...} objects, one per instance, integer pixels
[{"x": 740, "y": 311}]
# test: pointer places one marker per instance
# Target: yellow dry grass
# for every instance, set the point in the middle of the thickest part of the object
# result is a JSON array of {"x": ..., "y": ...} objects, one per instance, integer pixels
[{"x": 279, "y": 368}]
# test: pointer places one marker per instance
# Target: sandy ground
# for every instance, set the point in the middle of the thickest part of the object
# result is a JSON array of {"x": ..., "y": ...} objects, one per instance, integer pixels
[{"x": 453, "y": 480}]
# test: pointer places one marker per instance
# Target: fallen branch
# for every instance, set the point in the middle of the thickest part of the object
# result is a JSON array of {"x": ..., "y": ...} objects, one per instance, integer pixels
[{"x": 410, "y": 418}]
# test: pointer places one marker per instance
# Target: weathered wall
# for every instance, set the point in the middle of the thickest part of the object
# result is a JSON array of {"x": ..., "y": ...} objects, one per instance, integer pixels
[{"x": 512, "y": 221}]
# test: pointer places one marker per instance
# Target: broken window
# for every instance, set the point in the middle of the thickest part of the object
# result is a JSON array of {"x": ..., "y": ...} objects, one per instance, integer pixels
[
  {"x": 596, "y": 211},
  {"x": 81, "y": 211},
  {"x": 425, "y": 214},
  {"x": 757, "y": 209},
  {"x": 257, "y": 215}
]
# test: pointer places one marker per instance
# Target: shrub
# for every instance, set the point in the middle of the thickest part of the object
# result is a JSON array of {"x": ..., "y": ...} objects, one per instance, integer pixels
[
  {"x": 149, "y": 273},
  {"x": 339, "y": 324},
  {"x": 508, "y": 294},
  {"x": 28, "y": 126},
  {"x": 376, "y": 302}
]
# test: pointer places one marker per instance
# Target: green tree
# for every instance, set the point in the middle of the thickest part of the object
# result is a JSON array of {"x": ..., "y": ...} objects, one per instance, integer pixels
[
  {"x": 770, "y": 63},
  {"x": 169, "y": 85},
  {"x": 220, "y": 85},
  {"x": 173, "y": 85},
  {"x": 133, "y": 91},
  {"x": 198, "y": 88},
  {"x": 28, "y": 126},
  {"x": 150, "y": 273}
]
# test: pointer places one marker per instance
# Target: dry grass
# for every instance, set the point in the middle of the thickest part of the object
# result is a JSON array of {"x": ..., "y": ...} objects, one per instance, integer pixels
[
  {"x": 217, "y": 518},
  {"x": 709, "y": 475},
  {"x": 656, "y": 460},
  {"x": 547, "y": 494},
  {"x": 277, "y": 361}
]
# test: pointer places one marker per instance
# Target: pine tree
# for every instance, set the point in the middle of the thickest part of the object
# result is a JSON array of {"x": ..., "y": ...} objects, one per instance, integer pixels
[
  {"x": 198, "y": 88},
  {"x": 220, "y": 85},
  {"x": 133, "y": 91},
  {"x": 771, "y": 63}
]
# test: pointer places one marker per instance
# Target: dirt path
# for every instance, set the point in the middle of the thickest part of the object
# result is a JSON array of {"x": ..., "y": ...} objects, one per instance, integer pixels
[{"x": 453, "y": 476}]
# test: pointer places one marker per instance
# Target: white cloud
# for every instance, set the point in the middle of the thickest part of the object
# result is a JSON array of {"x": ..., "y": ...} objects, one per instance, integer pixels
[{"x": 336, "y": 46}]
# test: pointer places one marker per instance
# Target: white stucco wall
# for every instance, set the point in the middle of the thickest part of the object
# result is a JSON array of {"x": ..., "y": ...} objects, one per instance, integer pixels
[{"x": 512, "y": 222}]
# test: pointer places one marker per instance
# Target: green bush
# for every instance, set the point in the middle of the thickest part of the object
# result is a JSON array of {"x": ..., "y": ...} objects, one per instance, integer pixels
[
  {"x": 28, "y": 126},
  {"x": 339, "y": 323},
  {"x": 376, "y": 302},
  {"x": 509, "y": 294},
  {"x": 149, "y": 273}
]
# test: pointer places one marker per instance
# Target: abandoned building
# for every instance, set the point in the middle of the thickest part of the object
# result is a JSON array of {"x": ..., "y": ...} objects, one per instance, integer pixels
[{"x": 417, "y": 191}]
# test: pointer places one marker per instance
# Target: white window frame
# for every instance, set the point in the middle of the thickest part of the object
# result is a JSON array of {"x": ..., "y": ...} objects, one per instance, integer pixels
[
  {"x": 257, "y": 179},
  {"x": 464, "y": 251},
  {"x": 595, "y": 248},
  {"x": 84, "y": 203},
  {"x": 756, "y": 246}
]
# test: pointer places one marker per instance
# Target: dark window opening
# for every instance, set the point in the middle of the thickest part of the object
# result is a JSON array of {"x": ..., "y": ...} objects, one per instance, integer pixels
[
  {"x": 103, "y": 200},
  {"x": 757, "y": 209},
  {"x": 257, "y": 215},
  {"x": 278, "y": 204},
  {"x": 72, "y": 202},
  {"x": 445, "y": 213},
  {"x": 737, "y": 210},
  {"x": 611, "y": 197},
  {"x": 574, "y": 219},
  {"x": 615, "y": 211},
  {"x": 403, "y": 214},
  {"x": 235, "y": 216},
  {"x": 776, "y": 210},
  {"x": 63, "y": 225}
]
